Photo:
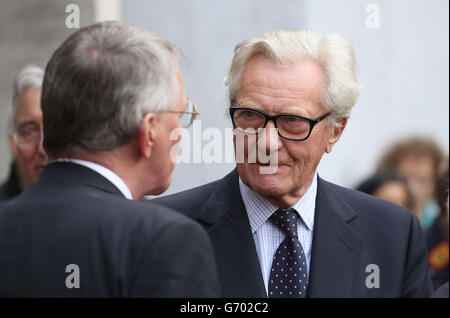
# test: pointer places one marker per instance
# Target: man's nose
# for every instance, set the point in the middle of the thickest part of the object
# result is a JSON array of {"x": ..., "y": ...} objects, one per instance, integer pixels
[{"x": 269, "y": 140}]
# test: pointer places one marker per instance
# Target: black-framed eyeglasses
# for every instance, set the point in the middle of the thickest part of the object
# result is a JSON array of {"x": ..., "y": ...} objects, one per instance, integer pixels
[
  {"x": 188, "y": 115},
  {"x": 289, "y": 126}
]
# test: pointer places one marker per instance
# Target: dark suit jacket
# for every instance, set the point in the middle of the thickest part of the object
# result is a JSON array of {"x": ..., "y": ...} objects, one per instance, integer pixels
[
  {"x": 441, "y": 292},
  {"x": 11, "y": 187},
  {"x": 351, "y": 231},
  {"x": 123, "y": 248}
]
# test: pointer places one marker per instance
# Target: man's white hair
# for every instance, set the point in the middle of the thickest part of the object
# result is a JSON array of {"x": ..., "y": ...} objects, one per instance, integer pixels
[
  {"x": 30, "y": 76},
  {"x": 333, "y": 53}
]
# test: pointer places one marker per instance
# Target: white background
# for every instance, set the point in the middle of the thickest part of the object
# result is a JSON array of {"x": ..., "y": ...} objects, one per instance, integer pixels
[{"x": 403, "y": 66}]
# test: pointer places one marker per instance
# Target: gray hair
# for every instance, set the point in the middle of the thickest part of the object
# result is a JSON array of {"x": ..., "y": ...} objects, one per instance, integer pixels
[
  {"x": 333, "y": 53},
  {"x": 30, "y": 76},
  {"x": 100, "y": 83}
]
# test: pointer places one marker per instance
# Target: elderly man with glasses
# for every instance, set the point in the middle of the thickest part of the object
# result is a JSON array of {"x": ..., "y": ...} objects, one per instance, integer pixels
[
  {"x": 25, "y": 133},
  {"x": 277, "y": 228}
]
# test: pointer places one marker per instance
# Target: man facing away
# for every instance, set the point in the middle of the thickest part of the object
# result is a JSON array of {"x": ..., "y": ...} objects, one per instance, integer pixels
[
  {"x": 277, "y": 228},
  {"x": 111, "y": 96}
]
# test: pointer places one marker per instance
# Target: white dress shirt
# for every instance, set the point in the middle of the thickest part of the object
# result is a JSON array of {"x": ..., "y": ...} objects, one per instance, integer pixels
[
  {"x": 267, "y": 236},
  {"x": 105, "y": 172}
]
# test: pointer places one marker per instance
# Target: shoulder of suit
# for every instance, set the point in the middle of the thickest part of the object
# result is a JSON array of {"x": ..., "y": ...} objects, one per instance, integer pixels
[
  {"x": 3, "y": 192},
  {"x": 367, "y": 205},
  {"x": 144, "y": 219},
  {"x": 190, "y": 198},
  {"x": 144, "y": 209}
]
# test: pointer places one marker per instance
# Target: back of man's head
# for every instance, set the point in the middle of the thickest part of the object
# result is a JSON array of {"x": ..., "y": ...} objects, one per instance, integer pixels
[{"x": 100, "y": 82}]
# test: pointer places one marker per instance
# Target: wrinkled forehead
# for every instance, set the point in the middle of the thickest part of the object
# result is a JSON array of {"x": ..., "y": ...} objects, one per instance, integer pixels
[{"x": 266, "y": 83}]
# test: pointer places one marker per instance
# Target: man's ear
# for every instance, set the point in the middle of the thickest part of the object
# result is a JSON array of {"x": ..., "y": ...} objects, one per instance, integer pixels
[
  {"x": 12, "y": 146},
  {"x": 147, "y": 134},
  {"x": 335, "y": 134}
]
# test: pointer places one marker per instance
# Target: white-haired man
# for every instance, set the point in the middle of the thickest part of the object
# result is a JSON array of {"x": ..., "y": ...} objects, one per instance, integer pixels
[
  {"x": 278, "y": 229},
  {"x": 25, "y": 133},
  {"x": 111, "y": 96}
]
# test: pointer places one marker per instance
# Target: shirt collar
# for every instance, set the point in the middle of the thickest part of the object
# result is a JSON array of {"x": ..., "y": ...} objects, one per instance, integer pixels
[
  {"x": 105, "y": 172},
  {"x": 259, "y": 209}
]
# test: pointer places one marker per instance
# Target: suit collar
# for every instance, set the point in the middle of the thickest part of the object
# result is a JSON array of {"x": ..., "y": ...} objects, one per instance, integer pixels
[
  {"x": 327, "y": 193},
  {"x": 67, "y": 172},
  {"x": 336, "y": 246},
  {"x": 105, "y": 172},
  {"x": 220, "y": 205},
  {"x": 231, "y": 236},
  {"x": 259, "y": 209}
]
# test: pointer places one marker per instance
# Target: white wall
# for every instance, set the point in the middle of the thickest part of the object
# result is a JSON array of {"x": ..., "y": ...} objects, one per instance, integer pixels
[
  {"x": 207, "y": 32},
  {"x": 403, "y": 65}
]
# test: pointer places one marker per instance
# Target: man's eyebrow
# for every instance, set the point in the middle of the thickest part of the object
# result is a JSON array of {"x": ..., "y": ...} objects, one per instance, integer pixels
[
  {"x": 291, "y": 110},
  {"x": 296, "y": 112},
  {"x": 250, "y": 104},
  {"x": 28, "y": 123}
]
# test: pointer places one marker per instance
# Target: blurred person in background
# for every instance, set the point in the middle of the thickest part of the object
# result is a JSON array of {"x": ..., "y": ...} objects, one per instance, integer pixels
[
  {"x": 420, "y": 161},
  {"x": 25, "y": 133},
  {"x": 437, "y": 235},
  {"x": 388, "y": 186}
]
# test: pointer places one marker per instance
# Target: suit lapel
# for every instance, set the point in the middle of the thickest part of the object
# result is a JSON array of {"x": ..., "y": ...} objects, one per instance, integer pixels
[
  {"x": 336, "y": 247},
  {"x": 230, "y": 234}
]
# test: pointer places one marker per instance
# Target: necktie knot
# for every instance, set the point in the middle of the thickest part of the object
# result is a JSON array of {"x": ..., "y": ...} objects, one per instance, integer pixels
[{"x": 286, "y": 221}]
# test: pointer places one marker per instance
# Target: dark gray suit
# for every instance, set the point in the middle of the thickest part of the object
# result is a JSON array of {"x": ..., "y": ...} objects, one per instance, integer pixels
[
  {"x": 11, "y": 187},
  {"x": 351, "y": 231},
  {"x": 123, "y": 248}
]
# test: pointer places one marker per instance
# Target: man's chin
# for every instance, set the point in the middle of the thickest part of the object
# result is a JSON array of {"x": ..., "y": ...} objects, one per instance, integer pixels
[
  {"x": 267, "y": 185},
  {"x": 265, "y": 171}
]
